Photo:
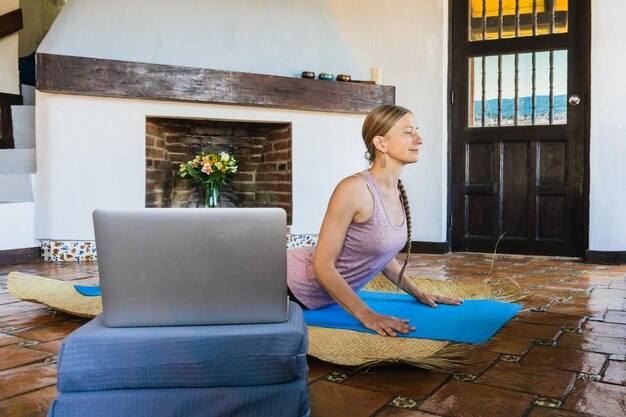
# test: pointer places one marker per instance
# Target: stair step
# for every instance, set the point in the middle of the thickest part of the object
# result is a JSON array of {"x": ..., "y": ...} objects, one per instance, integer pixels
[
  {"x": 24, "y": 138},
  {"x": 28, "y": 93},
  {"x": 17, "y": 161},
  {"x": 23, "y": 116},
  {"x": 16, "y": 188}
]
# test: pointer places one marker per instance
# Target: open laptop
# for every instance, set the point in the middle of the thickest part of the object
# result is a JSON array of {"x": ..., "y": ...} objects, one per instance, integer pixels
[{"x": 169, "y": 266}]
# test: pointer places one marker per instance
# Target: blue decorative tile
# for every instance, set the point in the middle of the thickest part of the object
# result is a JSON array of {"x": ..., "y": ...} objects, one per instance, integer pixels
[
  {"x": 68, "y": 250},
  {"x": 85, "y": 250},
  {"x": 296, "y": 241}
]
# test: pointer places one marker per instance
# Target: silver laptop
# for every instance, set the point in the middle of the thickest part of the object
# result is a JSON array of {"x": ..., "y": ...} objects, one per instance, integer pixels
[{"x": 168, "y": 267}]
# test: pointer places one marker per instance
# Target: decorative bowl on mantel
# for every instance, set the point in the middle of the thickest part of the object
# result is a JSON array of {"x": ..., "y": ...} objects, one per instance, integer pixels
[{"x": 327, "y": 76}]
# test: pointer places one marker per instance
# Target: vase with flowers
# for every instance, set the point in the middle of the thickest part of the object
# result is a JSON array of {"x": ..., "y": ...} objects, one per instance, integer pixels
[{"x": 211, "y": 171}]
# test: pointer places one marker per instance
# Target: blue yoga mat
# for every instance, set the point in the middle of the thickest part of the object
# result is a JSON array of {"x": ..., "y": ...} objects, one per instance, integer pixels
[
  {"x": 88, "y": 290},
  {"x": 474, "y": 321}
]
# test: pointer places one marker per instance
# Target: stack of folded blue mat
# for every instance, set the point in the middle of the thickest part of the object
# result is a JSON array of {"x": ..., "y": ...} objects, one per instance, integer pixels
[{"x": 234, "y": 370}]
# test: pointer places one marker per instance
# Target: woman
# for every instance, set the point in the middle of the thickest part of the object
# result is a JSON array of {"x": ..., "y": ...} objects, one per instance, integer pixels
[{"x": 367, "y": 223}]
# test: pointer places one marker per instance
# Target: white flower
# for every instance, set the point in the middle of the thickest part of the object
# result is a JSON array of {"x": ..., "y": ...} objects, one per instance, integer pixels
[{"x": 224, "y": 156}]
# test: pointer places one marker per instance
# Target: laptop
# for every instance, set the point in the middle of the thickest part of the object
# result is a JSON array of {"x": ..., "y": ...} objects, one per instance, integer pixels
[{"x": 171, "y": 266}]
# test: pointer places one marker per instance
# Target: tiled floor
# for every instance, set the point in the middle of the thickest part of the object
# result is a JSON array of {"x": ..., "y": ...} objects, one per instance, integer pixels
[{"x": 564, "y": 357}]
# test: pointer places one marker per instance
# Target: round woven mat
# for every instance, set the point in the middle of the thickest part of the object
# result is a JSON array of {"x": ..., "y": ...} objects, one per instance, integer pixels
[
  {"x": 60, "y": 295},
  {"x": 348, "y": 347}
]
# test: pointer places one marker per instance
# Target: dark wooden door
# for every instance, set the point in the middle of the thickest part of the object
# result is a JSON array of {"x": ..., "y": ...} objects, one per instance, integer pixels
[{"x": 519, "y": 126}]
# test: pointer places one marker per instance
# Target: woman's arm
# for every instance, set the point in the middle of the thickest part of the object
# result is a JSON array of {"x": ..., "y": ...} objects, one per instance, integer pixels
[
  {"x": 392, "y": 271},
  {"x": 351, "y": 201}
]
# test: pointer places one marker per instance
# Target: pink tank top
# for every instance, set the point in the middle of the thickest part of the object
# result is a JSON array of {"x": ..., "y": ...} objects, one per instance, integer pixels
[{"x": 368, "y": 248}]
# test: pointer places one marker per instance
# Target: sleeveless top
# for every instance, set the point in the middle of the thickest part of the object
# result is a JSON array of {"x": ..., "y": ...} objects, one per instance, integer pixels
[{"x": 368, "y": 248}]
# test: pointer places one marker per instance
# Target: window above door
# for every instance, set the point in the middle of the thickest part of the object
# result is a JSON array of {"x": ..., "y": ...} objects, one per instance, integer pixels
[{"x": 500, "y": 19}]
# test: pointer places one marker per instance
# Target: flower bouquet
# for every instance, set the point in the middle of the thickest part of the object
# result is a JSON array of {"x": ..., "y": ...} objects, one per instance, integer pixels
[{"x": 211, "y": 171}]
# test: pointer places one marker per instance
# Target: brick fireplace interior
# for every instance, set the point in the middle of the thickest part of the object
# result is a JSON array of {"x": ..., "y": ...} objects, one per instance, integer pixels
[{"x": 263, "y": 152}]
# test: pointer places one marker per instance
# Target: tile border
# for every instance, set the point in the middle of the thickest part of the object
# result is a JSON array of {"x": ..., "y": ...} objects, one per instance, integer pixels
[
  {"x": 85, "y": 250},
  {"x": 68, "y": 250}
]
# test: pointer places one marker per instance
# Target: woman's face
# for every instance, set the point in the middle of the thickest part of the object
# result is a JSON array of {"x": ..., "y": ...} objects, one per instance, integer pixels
[{"x": 402, "y": 141}]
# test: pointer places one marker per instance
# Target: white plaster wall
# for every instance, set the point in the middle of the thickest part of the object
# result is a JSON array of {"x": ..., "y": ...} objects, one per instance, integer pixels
[
  {"x": 9, "y": 74},
  {"x": 407, "y": 39},
  {"x": 279, "y": 37},
  {"x": 17, "y": 227},
  {"x": 91, "y": 153},
  {"x": 607, "y": 228}
]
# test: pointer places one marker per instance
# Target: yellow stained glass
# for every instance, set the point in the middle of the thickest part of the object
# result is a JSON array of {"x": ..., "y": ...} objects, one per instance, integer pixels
[
  {"x": 508, "y": 7},
  {"x": 509, "y": 26}
]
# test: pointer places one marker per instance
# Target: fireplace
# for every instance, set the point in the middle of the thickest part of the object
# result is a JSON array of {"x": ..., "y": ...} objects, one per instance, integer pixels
[
  {"x": 263, "y": 152},
  {"x": 133, "y": 123}
]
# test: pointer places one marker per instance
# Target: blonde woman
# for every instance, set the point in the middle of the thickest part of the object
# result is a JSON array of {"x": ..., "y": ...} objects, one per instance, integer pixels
[{"x": 367, "y": 223}]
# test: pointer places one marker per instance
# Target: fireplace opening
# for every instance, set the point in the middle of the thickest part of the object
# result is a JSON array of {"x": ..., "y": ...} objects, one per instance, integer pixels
[{"x": 263, "y": 152}]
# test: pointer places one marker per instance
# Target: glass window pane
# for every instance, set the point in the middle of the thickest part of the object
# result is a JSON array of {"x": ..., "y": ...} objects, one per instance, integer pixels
[
  {"x": 538, "y": 97},
  {"x": 508, "y": 90},
  {"x": 491, "y": 91},
  {"x": 475, "y": 92},
  {"x": 525, "y": 85},
  {"x": 542, "y": 88},
  {"x": 560, "y": 87}
]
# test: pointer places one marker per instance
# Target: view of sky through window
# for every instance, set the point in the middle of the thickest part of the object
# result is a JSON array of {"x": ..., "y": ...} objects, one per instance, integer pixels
[{"x": 487, "y": 83}]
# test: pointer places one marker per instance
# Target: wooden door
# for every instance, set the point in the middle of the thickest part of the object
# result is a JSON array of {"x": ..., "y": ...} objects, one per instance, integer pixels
[{"x": 520, "y": 126}]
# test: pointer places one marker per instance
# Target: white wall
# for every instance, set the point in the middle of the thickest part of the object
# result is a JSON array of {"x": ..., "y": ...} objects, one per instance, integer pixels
[
  {"x": 355, "y": 33},
  {"x": 608, "y": 127},
  {"x": 17, "y": 228},
  {"x": 279, "y": 37},
  {"x": 9, "y": 74},
  {"x": 407, "y": 39},
  {"x": 91, "y": 153}
]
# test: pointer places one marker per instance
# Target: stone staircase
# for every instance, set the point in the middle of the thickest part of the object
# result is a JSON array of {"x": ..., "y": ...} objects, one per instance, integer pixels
[
  {"x": 17, "y": 162},
  {"x": 18, "y": 165},
  {"x": 17, "y": 173}
]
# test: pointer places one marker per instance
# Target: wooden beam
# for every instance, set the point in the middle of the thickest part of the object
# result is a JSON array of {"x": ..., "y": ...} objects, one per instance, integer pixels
[
  {"x": 11, "y": 22},
  {"x": 605, "y": 257},
  {"x": 19, "y": 256},
  {"x": 138, "y": 80},
  {"x": 6, "y": 120}
]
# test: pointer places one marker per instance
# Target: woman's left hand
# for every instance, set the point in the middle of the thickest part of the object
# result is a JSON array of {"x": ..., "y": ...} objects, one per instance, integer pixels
[{"x": 432, "y": 300}]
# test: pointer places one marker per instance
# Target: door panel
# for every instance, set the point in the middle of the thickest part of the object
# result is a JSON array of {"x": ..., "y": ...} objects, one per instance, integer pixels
[
  {"x": 518, "y": 147},
  {"x": 515, "y": 190}
]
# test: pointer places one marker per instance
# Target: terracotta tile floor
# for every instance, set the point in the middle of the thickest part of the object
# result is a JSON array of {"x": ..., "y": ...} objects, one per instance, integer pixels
[{"x": 562, "y": 357}]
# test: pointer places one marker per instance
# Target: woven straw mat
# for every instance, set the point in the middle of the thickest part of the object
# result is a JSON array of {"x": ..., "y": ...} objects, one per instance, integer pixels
[
  {"x": 60, "y": 295},
  {"x": 348, "y": 347}
]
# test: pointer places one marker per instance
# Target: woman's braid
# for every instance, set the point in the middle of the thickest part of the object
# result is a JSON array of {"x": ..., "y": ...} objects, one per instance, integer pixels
[{"x": 407, "y": 212}]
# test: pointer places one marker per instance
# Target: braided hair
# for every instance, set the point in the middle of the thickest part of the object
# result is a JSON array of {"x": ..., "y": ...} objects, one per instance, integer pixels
[
  {"x": 377, "y": 123},
  {"x": 407, "y": 213}
]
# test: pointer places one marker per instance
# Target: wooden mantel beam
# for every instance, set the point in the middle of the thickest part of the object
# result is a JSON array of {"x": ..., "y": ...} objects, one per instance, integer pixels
[{"x": 136, "y": 80}]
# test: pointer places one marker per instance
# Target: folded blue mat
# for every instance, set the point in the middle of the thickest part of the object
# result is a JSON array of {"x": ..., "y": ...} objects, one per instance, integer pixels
[
  {"x": 88, "y": 290},
  {"x": 474, "y": 321}
]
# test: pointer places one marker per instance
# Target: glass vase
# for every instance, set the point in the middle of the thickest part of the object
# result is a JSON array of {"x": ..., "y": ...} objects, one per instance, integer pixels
[{"x": 211, "y": 195}]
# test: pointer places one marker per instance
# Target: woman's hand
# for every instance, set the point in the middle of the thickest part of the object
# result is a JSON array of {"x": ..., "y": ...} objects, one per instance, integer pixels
[
  {"x": 386, "y": 325},
  {"x": 432, "y": 300}
]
